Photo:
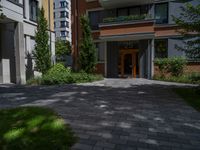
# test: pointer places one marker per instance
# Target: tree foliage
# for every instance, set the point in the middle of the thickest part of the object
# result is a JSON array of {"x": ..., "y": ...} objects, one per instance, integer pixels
[
  {"x": 87, "y": 58},
  {"x": 42, "y": 52},
  {"x": 63, "y": 48},
  {"x": 189, "y": 23}
]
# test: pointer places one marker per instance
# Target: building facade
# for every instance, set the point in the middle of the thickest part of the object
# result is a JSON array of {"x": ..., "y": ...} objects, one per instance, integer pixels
[
  {"x": 17, "y": 31},
  {"x": 62, "y": 19},
  {"x": 130, "y": 34}
]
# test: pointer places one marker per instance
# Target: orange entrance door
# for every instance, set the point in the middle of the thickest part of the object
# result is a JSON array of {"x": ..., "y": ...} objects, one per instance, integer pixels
[{"x": 128, "y": 59}]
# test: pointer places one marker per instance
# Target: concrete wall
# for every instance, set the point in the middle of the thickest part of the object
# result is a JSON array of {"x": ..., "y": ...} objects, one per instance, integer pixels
[
  {"x": 12, "y": 11},
  {"x": 17, "y": 41},
  {"x": 172, "y": 51}
]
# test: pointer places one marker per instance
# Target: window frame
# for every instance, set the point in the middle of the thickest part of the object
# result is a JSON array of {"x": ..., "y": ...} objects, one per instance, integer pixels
[{"x": 157, "y": 4}]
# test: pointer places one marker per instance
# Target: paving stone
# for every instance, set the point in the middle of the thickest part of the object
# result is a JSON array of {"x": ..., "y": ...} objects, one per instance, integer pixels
[{"x": 116, "y": 114}]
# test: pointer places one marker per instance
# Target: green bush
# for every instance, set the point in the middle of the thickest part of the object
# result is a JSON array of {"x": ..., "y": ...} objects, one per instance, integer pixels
[
  {"x": 58, "y": 74},
  {"x": 193, "y": 78},
  {"x": 82, "y": 77},
  {"x": 34, "y": 81},
  {"x": 174, "y": 66}
]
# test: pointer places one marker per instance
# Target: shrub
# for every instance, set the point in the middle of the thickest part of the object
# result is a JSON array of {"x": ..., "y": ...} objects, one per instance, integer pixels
[
  {"x": 82, "y": 77},
  {"x": 193, "y": 78},
  {"x": 58, "y": 74},
  {"x": 174, "y": 65},
  {"x": 34, "y": 81},
  {"x": 177, "y": 65}
]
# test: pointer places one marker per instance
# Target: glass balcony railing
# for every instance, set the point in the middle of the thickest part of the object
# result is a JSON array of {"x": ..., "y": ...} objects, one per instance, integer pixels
[{"x": 122, "y": 19}]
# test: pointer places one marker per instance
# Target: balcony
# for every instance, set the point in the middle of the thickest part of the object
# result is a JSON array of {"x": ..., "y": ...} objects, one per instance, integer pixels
[
  {"x": 127, "y": 27},
  {"x": 108, "y": 4},
  {"x": 125, "y": 19}
]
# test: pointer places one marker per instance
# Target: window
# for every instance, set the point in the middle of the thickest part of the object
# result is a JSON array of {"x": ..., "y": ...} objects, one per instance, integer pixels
[
  {"x": 33, "y": 4},
  {"x": 122, "y": 12},
  {"x": 95, "y": 18},
  {"x": 24, "y": 10},
  {"x": 64, "y": 14},
  {"x": 14, "y": 1},
  {"x": 64, "y": 34},
  {"x": 134, "y": 11},
  {"x": 100, "y": 52},
  {"x": 161, "y": 48},
  {"x": 64, "y": 24},
  {"x": 64, "y": 4},
  {"x": 161, "y": 13}
]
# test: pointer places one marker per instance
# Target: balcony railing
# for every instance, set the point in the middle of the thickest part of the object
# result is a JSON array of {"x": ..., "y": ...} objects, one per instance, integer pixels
[
  {"x": 123, "y": 19},
  {"x": 16, "y": 2}
]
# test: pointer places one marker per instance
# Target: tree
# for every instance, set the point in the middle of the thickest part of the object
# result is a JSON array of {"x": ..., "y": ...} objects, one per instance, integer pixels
[
  {"x": 63, "y": 48},
  {"x": 87, "y": 58},
  {"x": 189, "y": 23},
  {"x": 42, "y": 52}
]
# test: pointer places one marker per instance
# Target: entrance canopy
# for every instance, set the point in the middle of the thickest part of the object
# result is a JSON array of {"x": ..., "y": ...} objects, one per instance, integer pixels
[{"x": 127, "y": 37}]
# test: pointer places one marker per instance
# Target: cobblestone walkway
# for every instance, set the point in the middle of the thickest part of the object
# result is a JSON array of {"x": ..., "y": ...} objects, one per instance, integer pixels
[{"x": 117, "y": 114}]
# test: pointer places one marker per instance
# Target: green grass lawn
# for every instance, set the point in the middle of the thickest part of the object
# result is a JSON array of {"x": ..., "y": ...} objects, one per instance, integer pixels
[
  {"x": 34, "y": 128},
  {"x": 191, "y": 96}
]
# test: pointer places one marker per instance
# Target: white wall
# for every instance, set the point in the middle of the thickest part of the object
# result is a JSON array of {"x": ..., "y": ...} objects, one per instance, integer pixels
[{"x": 12, "y": 11}]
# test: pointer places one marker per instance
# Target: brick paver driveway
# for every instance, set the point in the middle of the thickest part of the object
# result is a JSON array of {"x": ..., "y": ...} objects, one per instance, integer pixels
[{"x": 117, "y": 114}]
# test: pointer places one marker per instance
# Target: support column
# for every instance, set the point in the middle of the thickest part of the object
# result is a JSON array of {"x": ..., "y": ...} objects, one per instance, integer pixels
[
  {"x": 5, "y": 55},
  {"x": 149, "y": 59},
  {"x": 5, "y": 71},
  {"x": 105, "y": 53},
  {"x": 20, "y": 54},
  {"x": 152, "y": 57}
]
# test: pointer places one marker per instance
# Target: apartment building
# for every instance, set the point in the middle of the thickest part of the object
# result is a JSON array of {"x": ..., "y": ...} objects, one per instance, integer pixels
[
  {"x": 62, "y": 19},
  {"x": 17, "y": 31},
  {"x": 130, "y": 34}
]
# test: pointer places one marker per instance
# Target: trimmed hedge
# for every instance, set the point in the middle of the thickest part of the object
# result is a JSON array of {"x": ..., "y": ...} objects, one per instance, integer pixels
[{"x": 175, "y": 65}]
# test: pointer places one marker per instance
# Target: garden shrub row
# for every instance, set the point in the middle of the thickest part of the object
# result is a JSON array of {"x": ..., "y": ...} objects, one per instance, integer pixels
[
  {"x": 172, "y": 69},
  {"x": 174, "y": 66},
  {"x": 58, "y": 74}
]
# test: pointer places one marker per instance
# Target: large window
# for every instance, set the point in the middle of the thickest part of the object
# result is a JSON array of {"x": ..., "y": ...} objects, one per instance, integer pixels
[
  {"x": 100, "y": 52},
  {"x": 33, "y": 4},
  {"x": 64, "y": 24},
  {"x": 64, "y": 4},
  {"x": 64, "y": 14},
  {"x": 161, "y": 48},
  {"x": 64, "y": 34},
  {"x": 161, "y": 13},
  {"x": 95, "y": 18}
]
